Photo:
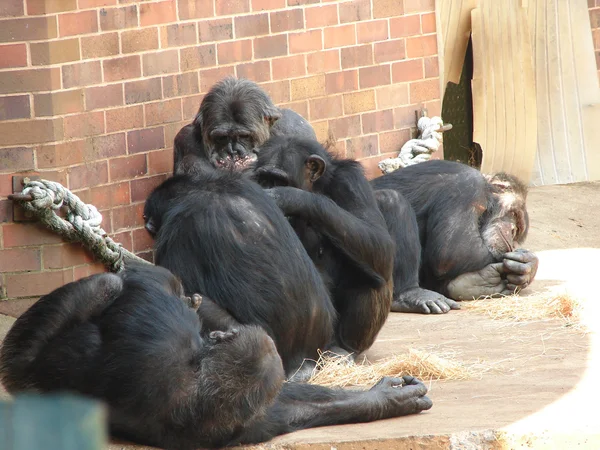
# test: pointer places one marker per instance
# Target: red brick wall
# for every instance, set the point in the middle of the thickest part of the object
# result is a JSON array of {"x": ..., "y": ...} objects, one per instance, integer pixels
[
  {"x": 594, "y": 6},
  {"x": 92, "y": 93}
]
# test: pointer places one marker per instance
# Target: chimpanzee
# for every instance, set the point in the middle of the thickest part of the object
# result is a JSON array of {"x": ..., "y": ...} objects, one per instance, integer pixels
[
  {"x": 224, "y": 237},
  {"x": 332, "y": 209},
  {"x": 465, "y": 235},
  {"x": 130, "y": 341},
  {"x": 235, "y": 117}
]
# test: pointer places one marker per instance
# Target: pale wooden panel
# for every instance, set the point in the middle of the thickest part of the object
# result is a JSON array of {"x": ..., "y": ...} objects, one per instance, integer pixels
[{"x": 504, "y": 101}]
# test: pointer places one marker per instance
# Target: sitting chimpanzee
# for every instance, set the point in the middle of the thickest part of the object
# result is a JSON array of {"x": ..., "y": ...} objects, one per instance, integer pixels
[
  {"x": 224, "y": 237},
  {"x": 235, "y": 117},
  {"x": 333, "y": 210},
  {"x": 131, "y": 341},
  {"x": 464, "y": 238}
]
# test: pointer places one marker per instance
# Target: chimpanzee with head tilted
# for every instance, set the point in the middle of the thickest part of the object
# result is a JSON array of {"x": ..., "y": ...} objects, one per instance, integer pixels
[
  {"x": 223, "y": 236},
  {"x": 235, "y": 117},
  {"x": 131, "y": 341},
  {"x": 462, "y": 228},
  {"x": 333, "y": 210}
]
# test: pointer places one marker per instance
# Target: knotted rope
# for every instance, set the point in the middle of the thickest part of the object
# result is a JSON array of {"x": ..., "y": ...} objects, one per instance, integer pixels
[
  {"x": 45, "y": 199},
  {"x": 420, "y": 149}
]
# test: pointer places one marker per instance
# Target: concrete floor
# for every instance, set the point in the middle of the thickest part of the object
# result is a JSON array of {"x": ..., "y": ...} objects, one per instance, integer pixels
[{"x": 542, "y": 390}]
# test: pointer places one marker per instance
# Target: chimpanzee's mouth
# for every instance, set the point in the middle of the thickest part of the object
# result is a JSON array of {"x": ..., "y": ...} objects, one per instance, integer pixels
[{"x": 236, "y": 162}]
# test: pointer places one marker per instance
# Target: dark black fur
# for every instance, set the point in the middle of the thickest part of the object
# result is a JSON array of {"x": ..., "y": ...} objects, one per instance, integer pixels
[
  {"x": 131, "y": 341},
  {"x": 467, "y": 222},
  {"x": 332, "y": 208}
]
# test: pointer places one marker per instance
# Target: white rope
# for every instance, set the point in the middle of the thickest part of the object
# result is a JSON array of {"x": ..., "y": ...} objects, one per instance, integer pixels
[
  {"x": 417, "y": 150},
  {"x": 82, "y": 222}
]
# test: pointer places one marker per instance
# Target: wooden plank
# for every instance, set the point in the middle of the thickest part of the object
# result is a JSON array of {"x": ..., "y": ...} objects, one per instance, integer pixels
[{"x": 53, "y": 422}]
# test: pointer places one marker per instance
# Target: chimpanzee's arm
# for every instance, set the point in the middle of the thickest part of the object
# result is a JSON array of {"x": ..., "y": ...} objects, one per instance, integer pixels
[
  {"x": 365, "y": 243},
  {"x": 301, "y": 406}
]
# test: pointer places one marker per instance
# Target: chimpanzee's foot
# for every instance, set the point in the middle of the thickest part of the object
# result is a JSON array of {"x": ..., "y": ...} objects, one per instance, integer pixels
[
  {"x": 304, "y": 372},
  {"x": 423, "y": 301},
  {"x": 193, "y": 302},
  {"x": 401, "y": 396}
]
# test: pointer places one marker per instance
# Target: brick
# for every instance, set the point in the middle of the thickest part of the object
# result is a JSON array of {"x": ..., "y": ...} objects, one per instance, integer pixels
[
  {"x": 98, "y": 46},
  {"x": 91, "y": 174},
  {"x": 387, "y": 8},
  {"x": 39, "y": 7},
  {"x": 392, "y": 50},
  {"x": 421, "y": 91},
  {"x": 390, "y": 96},
  {"x": 235, "y": 51},
  {"x": 359, "y": 101},
  {"x": 81, "y": 74},
  {"x": 178, "y": 35},
  {"x": 17, "y": 158},
  {"x": 128, "y": 217},
  {"x": 60, "y": 155},
  {"x": 124, "y": 118},
  {"x": 31, "y": 284},
  {"x": 156, "y": 13},
  {"x": 371, "y": 31},
  {"x": 73, "y": 24},
  {"x": 13, "y": 55},
  {"x": 375, "y": 122},
  {"x": 286, "y": 20},
  {"x": 370, "y": 165},
  {"x": 12, "y": 9},
  {"x": 160, "y": 162},
  {"x": 321, "y": 16},
  {"x": 182, "y": 84},
  {"x": 85, "y": 4},
  {"x": 87, "y": 270},
  {"x": 355, "y": 11},
  {"x": 360, "y": 55},
  {"x": 55, "y": 52},
  {"x": 303, "y": 2},
  {"x": 270, "y": 46},
  {"x": 404, "y": 116},
  {"x": 340, "y": 36},
  {"x": 299, "y": 107},
  {"x": 190, "y": 108},
  {"x": 228, "y": 7},
  {"x": 110, "y": 195},
  {"x": 128, "y": 167},
  {"x": 160, "y": 62},
  {"x": 118, "y": 18},
  {"x": 28, "y": 29},
  {"x": 6, "y": 212},
  {"x": 321, "y": 130},
  {"x": 307, "y": 41},
  {"x": 198, "y": 57},
  {"x": 289, "y": 67},
  {"x": 326, "y": 107},
  {"x": 362, "y": 147},
  {"x": 58, "y": 103},
  {"x": 595, "y": 18},
  {"x": 215, "y": 30},
  {"x": 313, "y": 86},
  {"x": 393, "y": 141},
  {"x": 279, "y": 91},
  {"x": 105, "y": 146},
  {"x": 103, "y": 97},
  {"x": 16, "y": 307},
  {"x": 405, "y": 26},
  {"x": 139, "y": 40},
  {"x": 142, "y": 187},
  {"x": 124, "y": 238},
  {"x": 345, "y": 81},
  {"x": 249, "y": 26},
  {"x": 15, "y": 107},
  {"x": 409, "y": 70},
  {"x": 27, "y": 234},
  {"x": 435, "y": 108},
  {"x": 259, "y": 71},
  {"x": 143, "y": 91},
  {"x": 428, "y": 23},
  {"x": 85, "y": 124},
  {"x": 195, "y": 9},
  {"x": 145, "y": 140},
  {"x": 418, "y": 6},
  {"x": 323, "y": 61},
  {"x": 163, "y": 112},
  {"x": 209, "y": 77},
  {"x": 374, "y": 76},
  {"x": 432, "y": 68},
  {"x": 141, "y": 239},
  {"x": 263, "y": 5},
  {"x": 65, "y": 255},
  {"x": 35, "y": 131},
  {"x": 421, "y": 46}
]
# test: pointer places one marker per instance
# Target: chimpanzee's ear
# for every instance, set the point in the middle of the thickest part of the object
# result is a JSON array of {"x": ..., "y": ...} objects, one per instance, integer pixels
[
  {"x": 315, "y": 167},
  {"x": 272, "y": 115},
  {"x": 499, "y": 181}
]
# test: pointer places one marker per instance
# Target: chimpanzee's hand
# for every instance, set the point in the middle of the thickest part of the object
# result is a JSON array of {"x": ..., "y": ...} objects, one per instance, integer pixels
[
  {"x": 423, "y": 301},
  {"x": 485, "y": 282},
  {"x": 400, "y": 396},
  {"x": 520, "y": 266}
]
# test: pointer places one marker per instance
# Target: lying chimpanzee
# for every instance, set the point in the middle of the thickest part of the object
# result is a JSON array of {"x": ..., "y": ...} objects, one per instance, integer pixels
[
  {"x": 235, "y": 117},
  {"x": 131, "y": 341},
  {"x": 332, "y": 209},
  {"x": 467, "y": 228},
  {"x": 224, "y": 237}
]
